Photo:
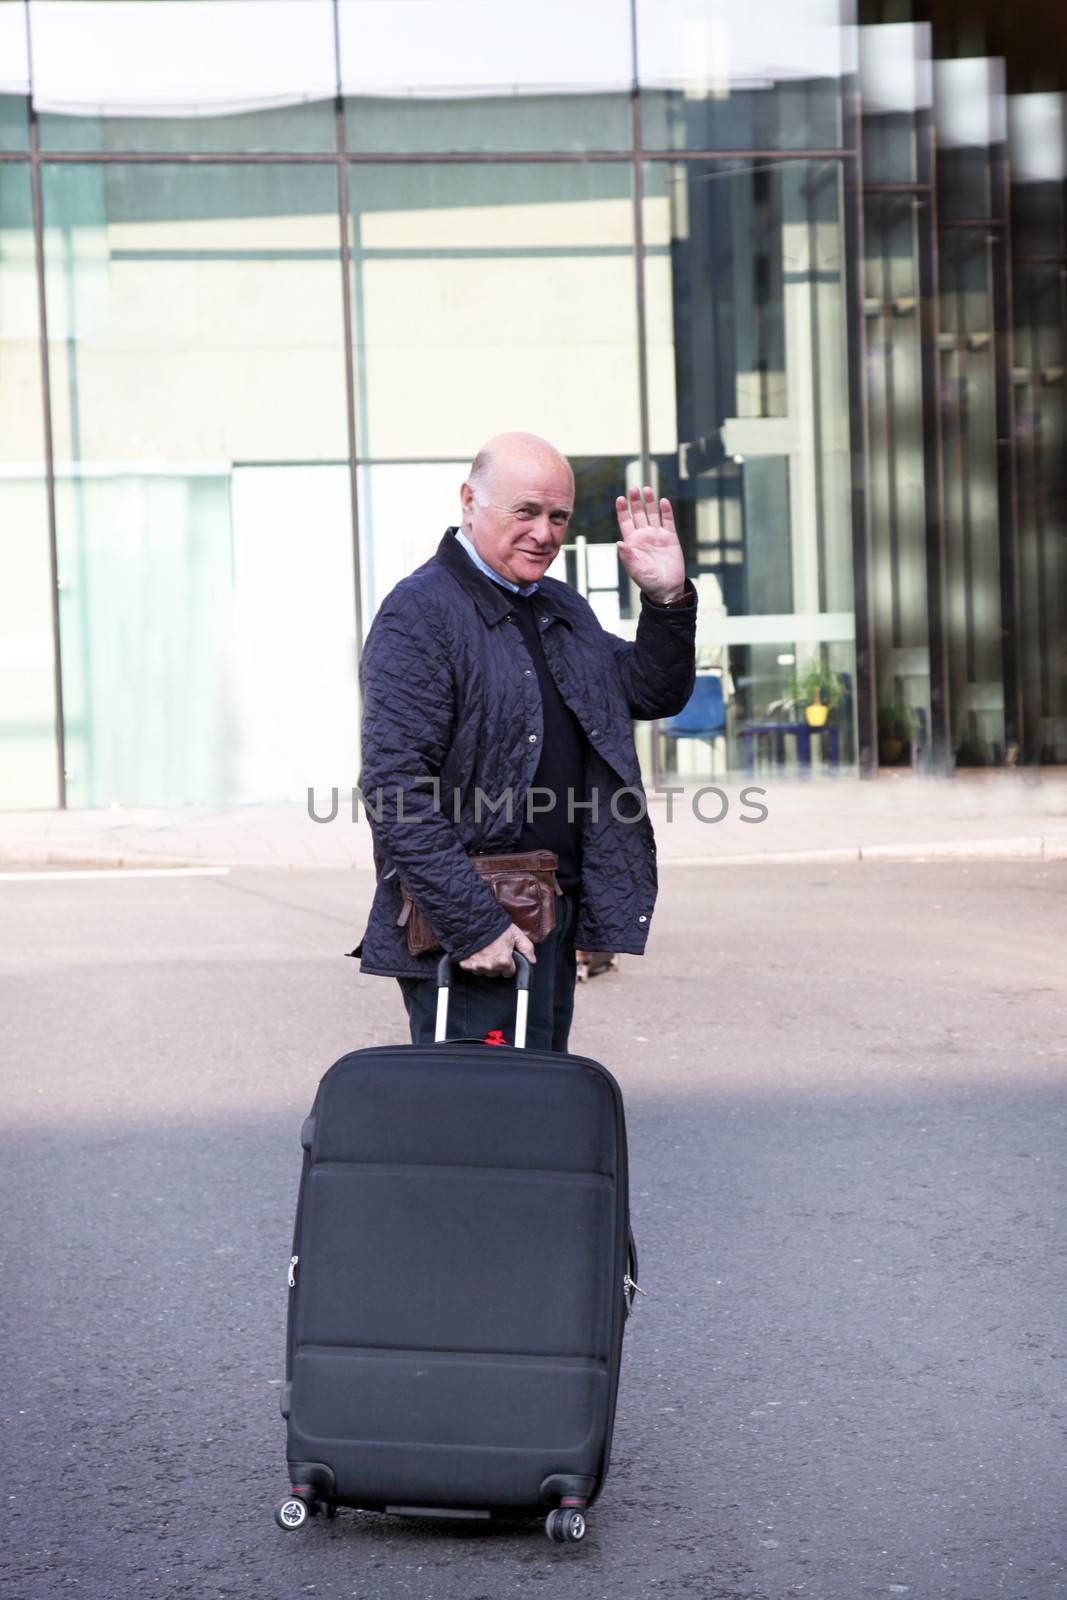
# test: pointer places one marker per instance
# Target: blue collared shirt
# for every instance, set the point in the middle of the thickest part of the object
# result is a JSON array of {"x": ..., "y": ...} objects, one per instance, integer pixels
[{"x": 483, "y": 566}]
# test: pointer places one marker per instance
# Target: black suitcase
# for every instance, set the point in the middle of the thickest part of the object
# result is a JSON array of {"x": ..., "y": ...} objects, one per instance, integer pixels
[{"x": 461, "y": 1273}]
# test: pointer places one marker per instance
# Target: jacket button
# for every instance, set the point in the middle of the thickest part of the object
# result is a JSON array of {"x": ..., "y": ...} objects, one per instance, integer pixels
[
  {"x": 594, "y": 733},
  {"x": 528, "y": 672},
  {"x": 533, "y": 738},
  {"x": 642, "y": 919}
]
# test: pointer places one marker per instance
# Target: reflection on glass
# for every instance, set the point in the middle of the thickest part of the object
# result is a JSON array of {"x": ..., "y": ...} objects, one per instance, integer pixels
[
  {"x": 970, "y": 116},
  {"x": 896, "y": 86},
  {"x": 742, "y": 74},
  {"x": 208, "y": 634},
  {"x": 970, "y": 112},
  {"x": 744, "y": 279},
  {"x": 520, "y": 123},
  {"x": 765, "y": 724},
  {"x": 486, "y": 298},
  {"x": 469, "y": 48},
  {"x": 972, "y": 552},
  {"x": 299, "y": 130},
  {"x": 14, "y": 122},
  {"x": 1038, "y": 147},
  {"x": 28, "y": 764},
  {"x": 184, "y": 74},
  {"x": 757, "y": 420},
  {"x": 14, "y": 77},
  {"x": 468, "y": 76},
  {"x": 894, "y": 364},
  {"x": 194, "y": 312},
  {"x": 195, "y": 327}
]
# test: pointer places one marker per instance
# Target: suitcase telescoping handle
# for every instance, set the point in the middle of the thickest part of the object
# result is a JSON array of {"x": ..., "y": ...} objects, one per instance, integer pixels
[{"x": 522, "y": 998}]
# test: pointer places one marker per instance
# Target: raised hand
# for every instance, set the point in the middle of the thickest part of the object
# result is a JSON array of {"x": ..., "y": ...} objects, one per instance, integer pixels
[{"x": 649, "y": 548}]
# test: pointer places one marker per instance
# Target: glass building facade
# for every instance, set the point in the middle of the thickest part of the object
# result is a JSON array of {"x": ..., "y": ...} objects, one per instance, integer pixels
[{"x": 272, "y": 270}]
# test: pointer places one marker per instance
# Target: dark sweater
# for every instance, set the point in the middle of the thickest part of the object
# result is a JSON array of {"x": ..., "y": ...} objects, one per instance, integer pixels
[{"x": 562, "y": 764}]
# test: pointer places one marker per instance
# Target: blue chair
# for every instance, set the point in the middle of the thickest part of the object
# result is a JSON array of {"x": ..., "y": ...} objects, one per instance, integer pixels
[{"x": 702, "y": 717}]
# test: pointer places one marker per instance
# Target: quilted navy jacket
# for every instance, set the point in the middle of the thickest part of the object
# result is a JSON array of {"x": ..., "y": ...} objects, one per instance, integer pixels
[{"x": 450, "y": 694}]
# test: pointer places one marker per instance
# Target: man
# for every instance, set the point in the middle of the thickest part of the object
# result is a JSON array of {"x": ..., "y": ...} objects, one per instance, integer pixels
[{"x": 497, "y": 718}]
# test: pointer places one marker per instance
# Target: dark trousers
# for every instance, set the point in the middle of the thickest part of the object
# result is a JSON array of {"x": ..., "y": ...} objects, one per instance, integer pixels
[{"x": 482, "y": 1006}]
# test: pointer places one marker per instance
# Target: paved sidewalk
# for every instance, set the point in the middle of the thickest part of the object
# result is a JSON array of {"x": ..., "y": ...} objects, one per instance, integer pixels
[{"x": 999, "y": 815}]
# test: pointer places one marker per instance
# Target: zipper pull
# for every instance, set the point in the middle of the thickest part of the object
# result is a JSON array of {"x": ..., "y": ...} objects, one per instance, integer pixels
[
  {"x": 292, "y": 1271},
  {"x": 629, "y": 1287}
]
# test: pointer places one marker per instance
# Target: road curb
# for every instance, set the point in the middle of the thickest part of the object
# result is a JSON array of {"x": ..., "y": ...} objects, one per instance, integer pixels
[
  {"x": 1025, "y": 847},
  {"x": 49, "y": 856}
]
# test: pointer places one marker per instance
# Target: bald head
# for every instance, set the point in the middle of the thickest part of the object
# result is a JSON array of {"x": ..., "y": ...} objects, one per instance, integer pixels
[
  {"x": 508, "y": 452},
  {"x": 517, "y": 502}
]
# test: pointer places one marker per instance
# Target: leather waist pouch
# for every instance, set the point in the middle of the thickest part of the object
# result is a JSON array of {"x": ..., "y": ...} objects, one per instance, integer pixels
[{"x": 522, "y": 885}]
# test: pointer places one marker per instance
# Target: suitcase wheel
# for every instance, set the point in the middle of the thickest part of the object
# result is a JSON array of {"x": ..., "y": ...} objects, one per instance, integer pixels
[
  {"x": 292, "y": 1513},
  {"x": 565, "y": 1526}
]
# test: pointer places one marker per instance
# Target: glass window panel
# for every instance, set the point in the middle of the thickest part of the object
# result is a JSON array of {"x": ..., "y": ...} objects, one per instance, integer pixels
[
  {"x": 777, "y": 117},
  {"x": 484, "y": 46},
  {"x": 526, "y": 123},
  {"x": 290, "y": 130},
  {"x": 972, "y": 552},
  {"x": 970, "y": 118},
  {"x": 417, "y": 83},
  {"x": 14, "y": 77},
  {"x": 766, "y": 730},
  {"x": 1037, "y": 137},
  {"x": 894, "y": 367},
  {"x": 889, "y": 148},
  {"x": 14, "y": 122},
  {"x": 743, "y": 74},
  {"x": 1038, "y": 219},
  {"x": 203, "y": 501},
  {"x": 895, "y": 85},
  {"x": 970, "y": 103},
  {"x": 1041, "y": 453},
  {"x": 195, "y": 312},
  {"x": 1037, "y": 148},
  {"x": 184, "y": 74},
  {"x": 487, "y": 298},
  {"x": 28, "y": 762},
  {"x": 14, "y": 51},
  {"x": 963, "y": 187},
  {"x": 748, "y": 388}
]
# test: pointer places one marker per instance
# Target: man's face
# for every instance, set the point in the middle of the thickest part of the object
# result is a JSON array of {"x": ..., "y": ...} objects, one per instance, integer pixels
[{"x": 519, "y": 533}]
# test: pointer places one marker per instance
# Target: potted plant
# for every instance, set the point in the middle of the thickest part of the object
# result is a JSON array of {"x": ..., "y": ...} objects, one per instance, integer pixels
[
  {"x": 818, "y": 690},
  {"x": 896, "y": 723}
]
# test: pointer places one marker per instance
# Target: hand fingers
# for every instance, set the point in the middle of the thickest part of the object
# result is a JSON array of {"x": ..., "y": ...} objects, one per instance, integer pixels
[
  {"x": 640, "y": 501},
  {"x": 503, "y": 967},
  {"x": 524, "y": 945},
  {"x": 640, "y": 509}
]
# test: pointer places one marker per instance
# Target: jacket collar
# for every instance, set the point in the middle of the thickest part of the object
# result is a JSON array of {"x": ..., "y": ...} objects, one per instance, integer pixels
[{"x": 492, "y": 601}]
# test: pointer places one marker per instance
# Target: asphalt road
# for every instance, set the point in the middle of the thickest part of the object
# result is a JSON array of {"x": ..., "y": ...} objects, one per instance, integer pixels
[{"x": 847, "y": 1097}]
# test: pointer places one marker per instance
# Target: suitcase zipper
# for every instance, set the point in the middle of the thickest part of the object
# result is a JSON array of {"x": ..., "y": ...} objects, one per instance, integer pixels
[{"x": 292, "y": 1271}]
